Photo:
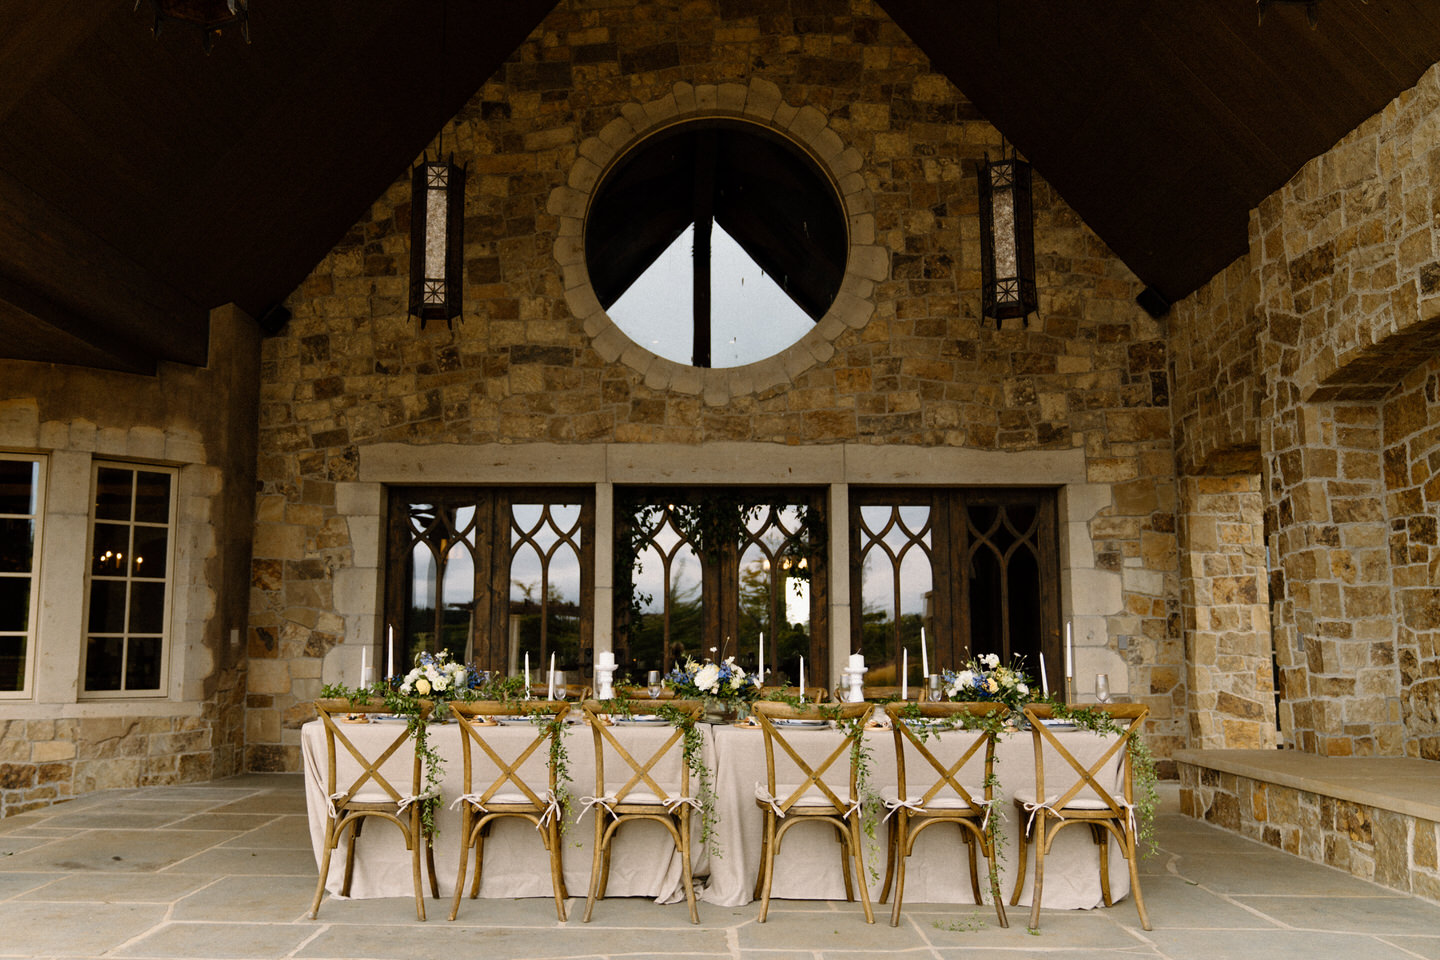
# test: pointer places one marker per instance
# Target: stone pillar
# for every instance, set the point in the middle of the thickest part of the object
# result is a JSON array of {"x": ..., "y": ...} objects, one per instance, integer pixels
[{"x": 1225, "y": 599}]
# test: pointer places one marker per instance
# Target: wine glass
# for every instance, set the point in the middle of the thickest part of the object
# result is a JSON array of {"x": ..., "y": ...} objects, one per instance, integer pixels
[
  {"x": 559, "y": 684},
  {"x": 1102, "y": 687},
  {"x": 652, "y": 684}
]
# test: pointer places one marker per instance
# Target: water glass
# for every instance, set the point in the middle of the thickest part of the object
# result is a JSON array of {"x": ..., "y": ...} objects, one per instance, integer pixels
[
  {"x": 652, "y": 684},
  {"x": 1102, "y": 687}
]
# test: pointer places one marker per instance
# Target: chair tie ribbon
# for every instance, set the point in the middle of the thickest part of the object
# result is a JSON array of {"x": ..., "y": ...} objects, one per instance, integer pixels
[
  {"x": 552, "y": 809},
  {"x": 341, "y": 796},
  {"x": 914, "y": 806},
  {"x": 765, "y": 797},
  {"x": 474, "y": 799},
  {"x": 1034, "y": 808},
  {"x": 675, "y": 803},
  {"x": 605, "y": 803},
  {"x": 404, "y": 802}
]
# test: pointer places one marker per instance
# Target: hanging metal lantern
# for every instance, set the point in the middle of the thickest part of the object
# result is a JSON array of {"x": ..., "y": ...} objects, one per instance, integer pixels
[
  {"x": 437, "y": 239},
  {"x": 210, "y": 17},
  {"x": 1007, "y": 239}
]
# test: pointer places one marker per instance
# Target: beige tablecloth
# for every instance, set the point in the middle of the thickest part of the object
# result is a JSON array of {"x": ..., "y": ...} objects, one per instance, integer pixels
[{"x": 644, "y": 863}]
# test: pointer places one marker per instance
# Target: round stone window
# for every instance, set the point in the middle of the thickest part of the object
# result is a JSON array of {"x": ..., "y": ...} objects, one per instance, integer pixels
[{"x": 715, "y": 243}]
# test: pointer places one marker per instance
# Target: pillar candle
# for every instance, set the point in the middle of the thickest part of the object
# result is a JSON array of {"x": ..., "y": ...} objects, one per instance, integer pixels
[
  {"x": 760, "y": 660},
  {"x": 550, "y": 695},
  {"x": 1069, "y": 653},
  {"x": 802, "y": 679},
  {"x": 527, "y": 674},
  {"x": 1044, "y": 683},
  {"x": 390, "y": 645},
  {"x": 904, "y": 674},
  {"x": 857, "y": 661},
  {"x": 924, "y": 657}
]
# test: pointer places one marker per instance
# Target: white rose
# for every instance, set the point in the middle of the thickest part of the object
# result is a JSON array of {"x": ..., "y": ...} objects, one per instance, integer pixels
[
  {"x": 406, "y": 689},
  {"x": 966, "y": 678},
  {"x": 707, "y": 678},
  {"x": 1021, "y": 689},
  {"x": 990, "y": 660}
]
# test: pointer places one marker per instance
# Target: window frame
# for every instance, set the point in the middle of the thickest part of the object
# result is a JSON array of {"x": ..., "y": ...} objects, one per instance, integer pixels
[
  {"x": 32, "y": 632},
  {"x": 949, "y": 622},
  {"x": 493, "y": 503},
  {"x": 162, "y": 688}
]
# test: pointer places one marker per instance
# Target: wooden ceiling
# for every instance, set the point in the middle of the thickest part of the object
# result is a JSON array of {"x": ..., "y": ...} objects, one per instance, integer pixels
[{"x": 143, "y": 183}]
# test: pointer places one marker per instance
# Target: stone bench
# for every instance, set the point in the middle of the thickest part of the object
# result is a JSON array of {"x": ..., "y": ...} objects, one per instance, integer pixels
[{"x": 1373, "y": 817}]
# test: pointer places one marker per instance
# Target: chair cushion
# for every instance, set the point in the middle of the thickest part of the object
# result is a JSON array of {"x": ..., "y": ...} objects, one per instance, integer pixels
[
  {"x": 942, "y": 801},
  {"x": 1076, "y": 803}
]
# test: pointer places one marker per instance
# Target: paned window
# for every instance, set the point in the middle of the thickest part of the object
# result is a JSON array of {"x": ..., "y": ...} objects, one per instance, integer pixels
[
  {"x": 22, "y": 481},
  {"x": 492, "y": 575},
  {"x": 704, "y": 572},
  {"x": 976, "y": 568},
  {"x": 128, "y": 587}
]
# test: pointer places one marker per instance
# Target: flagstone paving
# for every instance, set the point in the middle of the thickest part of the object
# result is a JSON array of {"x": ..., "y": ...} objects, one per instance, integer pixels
[{"x": 225, "y": 870}]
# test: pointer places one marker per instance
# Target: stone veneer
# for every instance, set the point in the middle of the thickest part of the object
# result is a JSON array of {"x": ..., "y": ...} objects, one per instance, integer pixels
[
  {"x": 59, "y": 743},
  {"x": 1307, "y": 363},
  {"x": 903, "y": 361},
  {"x": 1387, "y": 844}
]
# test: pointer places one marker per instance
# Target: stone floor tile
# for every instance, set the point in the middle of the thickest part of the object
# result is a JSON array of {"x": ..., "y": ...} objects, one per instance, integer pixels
[
  {"x": 116, "y": 850},
  {"x": 1427, "y": 947},
  {"x": 222, "y": 821},
  {"x": 18, "y": 884},
  {"x": 508, "y": 943},
  {"x": 108, "y": 887},
  {"x": 12, "y": 844},
  {"x": 1269, "y": 945},
  {"x": 240, "y": 899},
  {"x": 1269, "y": 873},
  {"x": 46, "y": 929},
  {"x": 1174, "y": 902},
  {"x": 1389, "y": 915},
  {"x": 831, "y": 930},
  {"x": 203, "y": 941},
  {"x": 239, "y": 860},
  {"x": 283, "y": 832}
]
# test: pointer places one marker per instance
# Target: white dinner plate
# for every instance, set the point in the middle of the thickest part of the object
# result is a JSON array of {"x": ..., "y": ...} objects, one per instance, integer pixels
[
  {"x": 798, "y": 722},
  {"x": 1059, "y": 724},
  {"x": 637, "y": 719}
]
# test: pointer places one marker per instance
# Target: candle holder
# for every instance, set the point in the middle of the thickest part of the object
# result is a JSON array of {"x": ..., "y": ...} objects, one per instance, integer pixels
[{"x": 854, "y": 683}]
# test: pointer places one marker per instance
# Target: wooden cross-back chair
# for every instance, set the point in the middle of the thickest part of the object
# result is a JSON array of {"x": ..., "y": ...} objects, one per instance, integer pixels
[
  {"x": 504, "y": 790},
  {"x": 812, "y": 799},
  {"x": 369, "y": 794},
  {"x": 1081, "y": 794},
  {"x": 653, "y": 787},
  {"x": 955, "y": 787}
]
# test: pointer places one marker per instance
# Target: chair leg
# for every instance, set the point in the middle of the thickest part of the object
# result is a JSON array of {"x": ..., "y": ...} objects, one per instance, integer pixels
[
  {"x": 465, "y": 843},
  {"x": 324, "y": 866},
  {"x": 1102, "y": 840},
  {"x": 993, "y": 869},
  {"x": 430, "y": 865},
  {"x": 1039, "y": 871},
  {"x": 843, "y": 836},
  {"x": 685, "y": 867},
  {"x": 416, "y": 839},
  {"x": 1130, "y": 858},
  {"x": 767, "y": 866},
  {"x": 595, "y": 862},
  {"x": 355, "y": 825},
  {"x": 1020, "y": 868},
  {"x": 903, "y": 849},
  {"x": 974, "y": 868},
  {"x": 760, "y": 874},
  {"x": 479, "y": 860},
  {"x": 855, "y": 846},
  {"x": 895, "y": 830},
  {"x": 557, "y": 873}
]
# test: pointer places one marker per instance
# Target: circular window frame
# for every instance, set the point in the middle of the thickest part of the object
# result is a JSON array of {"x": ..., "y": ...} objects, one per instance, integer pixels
[{"x": 761, "y": 103}]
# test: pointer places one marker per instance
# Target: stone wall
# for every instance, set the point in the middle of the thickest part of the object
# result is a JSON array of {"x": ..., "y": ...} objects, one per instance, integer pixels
[
  {"x": 1390, "y": 848},
  {"x": 1412, "y": 501},
  {"x": 910, "y": 362},
  {"x": 1340, "y": 292},
  {"x": 1225, "y": 597},
  {"x": 59, "y": 743}
]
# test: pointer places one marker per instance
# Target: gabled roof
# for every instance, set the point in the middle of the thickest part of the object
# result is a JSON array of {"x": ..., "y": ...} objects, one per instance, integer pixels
[{"x": 142, "y": 183}]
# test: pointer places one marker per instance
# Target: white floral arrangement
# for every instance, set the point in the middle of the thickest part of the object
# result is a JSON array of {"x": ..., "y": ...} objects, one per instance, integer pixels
[
  {"x": 725, "y": 680},
  {"x": 984, "y": 679}
]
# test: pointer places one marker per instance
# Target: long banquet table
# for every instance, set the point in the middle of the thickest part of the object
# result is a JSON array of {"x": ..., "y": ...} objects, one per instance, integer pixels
[{"x": 644, "y": 862}]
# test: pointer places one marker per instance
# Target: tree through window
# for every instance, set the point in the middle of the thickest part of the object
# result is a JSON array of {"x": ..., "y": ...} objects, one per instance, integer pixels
[{"x": 758, "y": 213}]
